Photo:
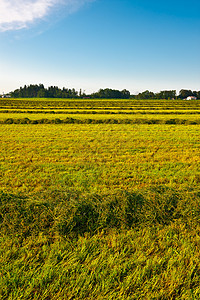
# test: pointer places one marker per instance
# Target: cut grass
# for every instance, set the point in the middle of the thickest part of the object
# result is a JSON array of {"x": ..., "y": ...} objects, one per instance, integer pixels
[
  {"x": 123, "y": 246},
  {"x": 98, "y": 104},
  {"x": 100, "y": 211},
  {"x": 98, "y": 157}
]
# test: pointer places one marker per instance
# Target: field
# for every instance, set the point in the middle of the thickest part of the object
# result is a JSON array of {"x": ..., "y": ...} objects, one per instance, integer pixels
[{"x": 99, "y": 199}]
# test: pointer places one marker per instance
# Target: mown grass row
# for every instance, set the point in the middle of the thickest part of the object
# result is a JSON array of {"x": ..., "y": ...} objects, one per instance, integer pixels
[
  {"x": 71, "y": 213},
  {"x": 104, "y": 108},
  {"x": 98, "y": 103},
  {"x": 66, "y": 245},
  {"x": 174, "y": 121},
  {"x": 102, "y": 112}
]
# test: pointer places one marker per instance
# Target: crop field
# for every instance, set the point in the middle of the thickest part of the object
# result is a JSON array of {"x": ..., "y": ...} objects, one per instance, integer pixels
[
  {"x": 98, "y": 104},
  {"x": 45, "y": 111},
  {"x": 99, "y": 210}
]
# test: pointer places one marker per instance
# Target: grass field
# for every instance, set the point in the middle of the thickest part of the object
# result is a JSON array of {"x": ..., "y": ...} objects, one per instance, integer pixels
[
  {"x": 98, "y": 158},
  {"x": 100, "y": 211},
  {"x": 98, "y": 104},
  {"x": 100, "y": 116}
]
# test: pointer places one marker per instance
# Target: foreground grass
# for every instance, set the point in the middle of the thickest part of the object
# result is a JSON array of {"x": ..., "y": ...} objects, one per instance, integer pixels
[{"x": 122, "y": 246}]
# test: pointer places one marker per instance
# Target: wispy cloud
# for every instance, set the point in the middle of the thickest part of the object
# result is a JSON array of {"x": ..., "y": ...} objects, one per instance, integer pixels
[{"x": 18, "y": 14}]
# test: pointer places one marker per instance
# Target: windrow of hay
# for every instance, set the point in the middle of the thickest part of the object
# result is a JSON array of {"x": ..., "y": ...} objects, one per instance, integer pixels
[{"x": 100, "y": 121}]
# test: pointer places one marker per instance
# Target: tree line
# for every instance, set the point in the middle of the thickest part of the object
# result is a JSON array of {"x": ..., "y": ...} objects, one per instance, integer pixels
[{"x": 39, "y": 91}]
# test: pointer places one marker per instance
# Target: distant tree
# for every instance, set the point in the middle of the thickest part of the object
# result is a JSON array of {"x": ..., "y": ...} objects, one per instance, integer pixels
[
  {"x": 166, "y": 94},
  {"x": 125, "y": 94},
  {"x": 183, "y": 94},
  {"x": 111, "y": 94},
  {"x": 42, "y": 93},
  {"x": 133, "y": 96},
  {"x": 34, "y": 90},
  {"x": 146, "y": 95}
]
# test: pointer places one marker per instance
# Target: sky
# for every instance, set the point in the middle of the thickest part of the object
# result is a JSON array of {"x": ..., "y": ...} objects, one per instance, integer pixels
[{"x": 91, "y": 44}]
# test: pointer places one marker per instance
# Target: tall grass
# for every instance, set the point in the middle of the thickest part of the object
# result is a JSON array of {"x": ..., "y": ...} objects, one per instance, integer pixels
[{"x": 63, "y": 245}]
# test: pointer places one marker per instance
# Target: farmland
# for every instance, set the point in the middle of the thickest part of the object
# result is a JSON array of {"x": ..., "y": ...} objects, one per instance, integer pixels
[
  {"x": 35, "y": 111},
  {"x": 104, "y": 205}
]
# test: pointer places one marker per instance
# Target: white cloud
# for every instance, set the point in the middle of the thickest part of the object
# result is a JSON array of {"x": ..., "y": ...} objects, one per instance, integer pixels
[{"x": 18, "y": 14}]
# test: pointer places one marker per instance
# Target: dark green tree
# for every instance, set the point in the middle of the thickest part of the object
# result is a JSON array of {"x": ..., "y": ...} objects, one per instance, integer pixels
[{"x": 183, "y": 94}]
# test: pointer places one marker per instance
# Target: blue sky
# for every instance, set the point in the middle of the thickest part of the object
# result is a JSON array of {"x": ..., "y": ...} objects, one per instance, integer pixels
[{"x": 93, "y": 44}]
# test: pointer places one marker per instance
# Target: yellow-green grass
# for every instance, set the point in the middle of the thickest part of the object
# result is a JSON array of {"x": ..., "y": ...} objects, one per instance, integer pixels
[
  {"x": 98, "y": 103},
  {"x": 161, "y": 118},
  {"x": 99, "y": 211},
  {"x": 98, "y": 158},
  {"x": 102, "y": 111},
  {"x": 145, "y": 264}
]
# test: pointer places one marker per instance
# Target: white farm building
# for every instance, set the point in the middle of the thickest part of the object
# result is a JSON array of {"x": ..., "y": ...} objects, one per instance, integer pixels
[{"x": 191, "y": 98}]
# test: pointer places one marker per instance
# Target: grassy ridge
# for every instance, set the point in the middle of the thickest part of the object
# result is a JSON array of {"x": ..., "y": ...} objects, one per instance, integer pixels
[{"x": 72, "y": 214}]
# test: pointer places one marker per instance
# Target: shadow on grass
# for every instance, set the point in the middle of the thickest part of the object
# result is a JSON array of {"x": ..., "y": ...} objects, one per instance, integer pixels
[{"x": 71, "y": 214}]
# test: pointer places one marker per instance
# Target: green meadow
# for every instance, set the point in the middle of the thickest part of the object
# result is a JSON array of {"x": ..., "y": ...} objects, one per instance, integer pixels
[{"x": 99, "y": 199}]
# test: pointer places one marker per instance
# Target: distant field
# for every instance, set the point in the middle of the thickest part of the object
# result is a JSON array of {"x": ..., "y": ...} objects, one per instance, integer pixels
[
  {"x": 98, "y": 104},
  {"x": 99, "y": 111},
  {"x": 99, "y": 211}
]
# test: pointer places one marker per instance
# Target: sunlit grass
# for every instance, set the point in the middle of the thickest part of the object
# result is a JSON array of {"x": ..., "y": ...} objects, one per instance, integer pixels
[
  {"x": 98, "y": 157},
  {"x": 98, "y": 103},
  {"x": 100, "y": 211},
  {"x": 95, "y": 116}
]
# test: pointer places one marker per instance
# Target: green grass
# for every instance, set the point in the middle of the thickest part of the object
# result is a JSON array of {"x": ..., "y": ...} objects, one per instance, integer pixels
[
  {"x": 98, "y": 157},
  {"x": 98, "y": 104},
  {"x": 82, "y": 111},
  {"x": 98, "y": 116},
  {"x": 100, "y": 211},
  {"x": 123, "y": 246}
]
